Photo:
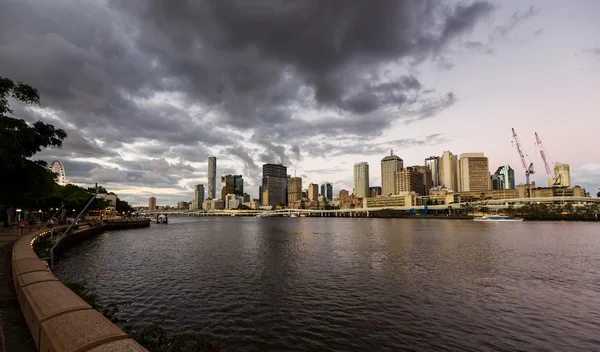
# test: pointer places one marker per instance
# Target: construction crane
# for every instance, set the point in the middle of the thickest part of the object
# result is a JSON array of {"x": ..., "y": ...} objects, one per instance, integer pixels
[
  {"x": 524, "y": 161},
  {"x": 547, "y": 160}
]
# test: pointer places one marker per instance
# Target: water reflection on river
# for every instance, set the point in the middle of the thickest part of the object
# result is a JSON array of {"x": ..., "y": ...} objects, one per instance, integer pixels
[{"x": 325, "y": 284}]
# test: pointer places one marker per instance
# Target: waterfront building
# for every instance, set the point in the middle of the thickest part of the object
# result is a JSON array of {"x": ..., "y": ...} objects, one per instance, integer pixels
[
  {"x": 313, "y": 192},
  {"x": 427, "y": 180},
  {"x": 389, "y": 166},
  {"x": 254, "y": 204},
  {"x": 213, "y": 204},
  {"x": 408, "y": 180},
  {"x": 507, "y": 175},
  {"x": 227, "y": 186},
  {"x": 327, "y": 191},
  {"x": 343, "y": 194},
  {"x": 246, "y": 197},
  {"x": 374, "y": 191},
  {"x": 433, "y": 163},
  {"x": 563, "y": 176},
  {"x": 274, "y": 184},
  {"x": 294, "y": 189},
  {"x": 361, "y": 179},
  {"x": 198, "y": 196},
  {"x": 183, "y": 205},
  {"x": 449, "y": 171},
  {"x": 260, "y": 194},
  {"x": 474, "y": 173},
  {"x": 152, "y": 203},
  {"x": 233, "y": 201},
  {"x": 399, "y": 200},
  {"x": 497, "y": 181},
  {"x": 212, "y": 175}
]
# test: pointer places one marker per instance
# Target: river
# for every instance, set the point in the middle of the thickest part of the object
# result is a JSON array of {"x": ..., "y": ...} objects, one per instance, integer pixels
[{"x": 343, "y": 284}]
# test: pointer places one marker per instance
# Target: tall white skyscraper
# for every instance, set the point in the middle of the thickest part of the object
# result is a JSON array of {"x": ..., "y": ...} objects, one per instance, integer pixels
[
  {"x": 212, "y": 175},
  {"x": 433, "y": 163},
  {"x": 389, "y": 166},
  {"x": 449, "y": 171},
  {"x": 361, "y": 180}
]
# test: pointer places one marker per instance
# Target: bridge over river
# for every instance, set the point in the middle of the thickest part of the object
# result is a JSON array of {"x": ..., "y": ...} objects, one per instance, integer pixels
[{"x": 492, "y": 204}]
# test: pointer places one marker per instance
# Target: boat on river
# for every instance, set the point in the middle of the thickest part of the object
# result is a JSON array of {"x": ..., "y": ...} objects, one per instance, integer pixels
[{"x": 498, "y": 218}]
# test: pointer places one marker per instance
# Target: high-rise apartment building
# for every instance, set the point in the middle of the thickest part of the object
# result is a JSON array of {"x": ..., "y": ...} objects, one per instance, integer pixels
[
  {"x": 427, "y": 180},
  {"x": 294, "y": 189},
  {"x": 327, "y": 191},
  {"x": 449, "y": 171},
  {"x": 389, "y": 166},
  {"x": 507, "y": 174},
  {"x": 274, "y": 184},
  {"x": 361, "y": 180},
  {"x": 474, "y": 173},
  {"x": 563, "y": 175},
  {"x": 433, "y": 163},
  {"x": 212, "y": 175},
  {"x": 198, "y": 196},
  {"x": 313, "y": 192},
  {"x": 408, "y": 180},
  {"x": 152, "y": 203}
]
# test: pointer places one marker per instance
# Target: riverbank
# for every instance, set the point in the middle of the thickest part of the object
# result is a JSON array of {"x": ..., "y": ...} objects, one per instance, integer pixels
[{"x": 35, "y": 307}]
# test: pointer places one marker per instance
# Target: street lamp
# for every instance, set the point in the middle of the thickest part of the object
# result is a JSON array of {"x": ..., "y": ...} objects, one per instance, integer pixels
[
  {"x": 18, "y": 214},
  {"x": 41, "y": 215}
]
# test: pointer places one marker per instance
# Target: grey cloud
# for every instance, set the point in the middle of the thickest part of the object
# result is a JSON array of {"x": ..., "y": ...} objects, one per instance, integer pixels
[{"x": 516, "y": 18}]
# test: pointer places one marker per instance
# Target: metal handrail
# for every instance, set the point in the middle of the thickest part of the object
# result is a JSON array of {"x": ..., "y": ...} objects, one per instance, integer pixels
[{"x": 69, "y": 228}]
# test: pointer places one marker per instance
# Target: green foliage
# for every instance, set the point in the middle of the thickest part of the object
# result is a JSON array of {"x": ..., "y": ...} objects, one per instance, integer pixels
[
  {"x": 123, "y": 206},
  {"x": 25, "y": 181}
]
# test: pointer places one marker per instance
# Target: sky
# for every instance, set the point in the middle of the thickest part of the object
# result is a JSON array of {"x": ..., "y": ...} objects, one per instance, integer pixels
[{"x": 147, "y": 90}]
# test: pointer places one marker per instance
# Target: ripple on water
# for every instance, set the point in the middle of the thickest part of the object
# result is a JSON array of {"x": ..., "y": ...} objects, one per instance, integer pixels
[{"x": 354, "y": 284}]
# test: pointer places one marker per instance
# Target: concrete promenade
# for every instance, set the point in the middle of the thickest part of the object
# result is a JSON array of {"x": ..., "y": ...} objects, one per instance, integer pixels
[
  {"x": 14, "y": 333},
  {"x": 39, "y": 313}
]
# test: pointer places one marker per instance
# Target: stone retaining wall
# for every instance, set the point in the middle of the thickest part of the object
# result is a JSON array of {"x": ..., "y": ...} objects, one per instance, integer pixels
[{"x": 58, "y": 319}]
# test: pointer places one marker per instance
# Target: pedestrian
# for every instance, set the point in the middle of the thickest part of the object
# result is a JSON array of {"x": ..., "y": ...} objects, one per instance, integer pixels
[
  {"x": 21, "y": 227},
  {"x": 30, "y": 223}
]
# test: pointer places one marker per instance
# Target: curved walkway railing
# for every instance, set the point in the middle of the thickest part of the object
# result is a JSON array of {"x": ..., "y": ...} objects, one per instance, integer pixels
[{"x": 58, "y": 319}]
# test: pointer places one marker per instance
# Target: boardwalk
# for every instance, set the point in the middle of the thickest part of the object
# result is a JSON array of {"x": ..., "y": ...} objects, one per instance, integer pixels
[{"x": 14, "y": 333}]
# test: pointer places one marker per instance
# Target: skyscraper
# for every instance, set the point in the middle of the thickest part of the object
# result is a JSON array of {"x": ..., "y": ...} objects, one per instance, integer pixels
[
  {"x": 389, "y": 166},
  {"x": 427, "y": 182},
  {"x": 313, "y": 192},
  {"x": 508, "y": 176},
  {"x": 433, "y": 163},
  {"x": 152, "y": 203},
  {"x": 327, "y": 191},
  {"x": 238, "y": 185},
  {"x": 474, "y": 173},
  {"x": 198, "y": 196},
  {"x": 227, "y": 186},
  {"x": 361, "y": 180},
  {"x": 294, "y": 189},
  {"x": 449, "y": 171},
  {"x": 212, "y": 175},
  {"x": 497, "y": 181},
  {"x": 274, "y": 184}
]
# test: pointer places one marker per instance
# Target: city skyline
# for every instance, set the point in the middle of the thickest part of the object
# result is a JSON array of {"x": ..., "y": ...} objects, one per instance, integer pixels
[{"x": 143, "y": 116}]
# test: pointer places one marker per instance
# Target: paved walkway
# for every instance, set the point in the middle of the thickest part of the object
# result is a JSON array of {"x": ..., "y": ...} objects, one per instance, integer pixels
[{"x": 14, "y": 333}]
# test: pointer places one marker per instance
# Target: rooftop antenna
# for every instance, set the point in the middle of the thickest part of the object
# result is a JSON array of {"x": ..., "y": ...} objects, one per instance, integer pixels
[{"x": 391, "y": 151}]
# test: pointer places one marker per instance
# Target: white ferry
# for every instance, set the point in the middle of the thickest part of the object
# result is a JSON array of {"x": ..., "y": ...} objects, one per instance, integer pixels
[{"x": 498, "y": 218}]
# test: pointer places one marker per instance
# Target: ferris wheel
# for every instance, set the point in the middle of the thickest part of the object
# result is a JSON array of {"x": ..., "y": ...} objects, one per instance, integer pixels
[{"x": 58, "y": 168}]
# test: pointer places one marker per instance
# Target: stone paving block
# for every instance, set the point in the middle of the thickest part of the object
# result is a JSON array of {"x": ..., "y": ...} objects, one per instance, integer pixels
[
  {"x": 43, "y": 300},
  {"x": 18, "y": 255},
  {"x": 128, "y": 345},
  {"x": 78, "y": 331},
  {"x": 28, "y": 265}
]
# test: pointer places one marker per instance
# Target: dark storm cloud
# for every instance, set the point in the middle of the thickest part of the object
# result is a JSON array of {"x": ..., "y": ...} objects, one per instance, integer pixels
[{"x": 179, "y": 78}]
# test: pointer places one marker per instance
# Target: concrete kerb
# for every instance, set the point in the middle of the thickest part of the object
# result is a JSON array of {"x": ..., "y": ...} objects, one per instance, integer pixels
[{"x": 57, "y": 318}]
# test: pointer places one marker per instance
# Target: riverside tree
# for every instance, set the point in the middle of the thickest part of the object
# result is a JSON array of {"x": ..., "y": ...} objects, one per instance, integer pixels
[{"x": 25, "y": 180}]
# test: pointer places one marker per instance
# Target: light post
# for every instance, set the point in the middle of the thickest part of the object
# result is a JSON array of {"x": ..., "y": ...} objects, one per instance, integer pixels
[
  {"x": 41, "y": 215},
  {"x": 18, "y": 214}
]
